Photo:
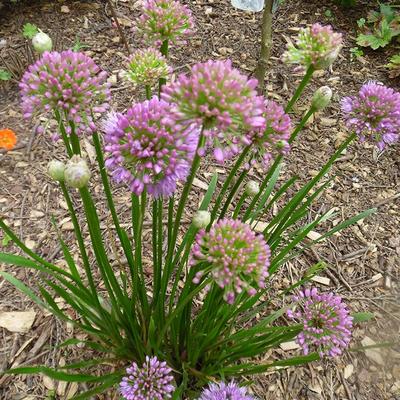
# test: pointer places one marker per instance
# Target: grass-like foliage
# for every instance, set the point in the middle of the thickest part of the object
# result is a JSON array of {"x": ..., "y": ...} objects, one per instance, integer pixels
[{"x": 207, "y": 310}]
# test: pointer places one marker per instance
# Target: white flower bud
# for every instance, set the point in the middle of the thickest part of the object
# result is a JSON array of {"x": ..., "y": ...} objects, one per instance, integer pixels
[
  {"x": 42, "y": 42},
  {"x": 252, "y": 188},
  {"x": 56, "y": 170},
  {"x": 201, "y": 219},
  {"x": 77, "y": 173},
  {"x": 322, "y": 97}
]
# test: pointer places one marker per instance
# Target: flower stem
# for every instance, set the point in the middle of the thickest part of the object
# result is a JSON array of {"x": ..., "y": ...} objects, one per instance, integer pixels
[
  {"x": 148, "y": 92},
  {"x": 304, "y": 82},
  {"x": 164, "y": 52}
]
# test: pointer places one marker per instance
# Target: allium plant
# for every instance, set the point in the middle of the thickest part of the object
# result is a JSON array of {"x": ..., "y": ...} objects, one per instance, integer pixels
[
  {"x": 68, "y": 84},
  {"x": 192, "y": 301},
  {"x": 374, "y": 114}
]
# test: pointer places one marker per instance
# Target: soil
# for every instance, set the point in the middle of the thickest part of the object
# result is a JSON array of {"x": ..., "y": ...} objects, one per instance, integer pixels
[{"x": 363, "y": 260}]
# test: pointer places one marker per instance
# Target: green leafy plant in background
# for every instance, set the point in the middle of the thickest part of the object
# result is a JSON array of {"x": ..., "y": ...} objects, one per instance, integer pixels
[
  {"x": 346, "y": 3},
  {"x": 380, "y": 27},
  {"x": 5, "y": 75},
  {"x": 394, "y": 66}
]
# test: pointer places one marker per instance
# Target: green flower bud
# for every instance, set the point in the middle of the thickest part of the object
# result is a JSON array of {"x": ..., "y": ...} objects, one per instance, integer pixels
[
  {"x": 322, "y": 97},
  {"x": 201, "y": 219},
  {"x": 56, "y": 170},
  {"x": 77, "y": 173},
  {"x": 252, "y": 188},
  {"x": 42, "y": 42}
]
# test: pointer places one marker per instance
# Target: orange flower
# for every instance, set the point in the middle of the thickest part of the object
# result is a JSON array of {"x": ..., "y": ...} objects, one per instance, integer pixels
[{"x": 8, "y": 139}]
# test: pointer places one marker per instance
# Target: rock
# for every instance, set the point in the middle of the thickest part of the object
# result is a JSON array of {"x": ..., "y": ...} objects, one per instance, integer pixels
[
  {"x": 65, "y": 9},
  {"x": 348, "y": 371},
  {"x": 17, "y": 321}
]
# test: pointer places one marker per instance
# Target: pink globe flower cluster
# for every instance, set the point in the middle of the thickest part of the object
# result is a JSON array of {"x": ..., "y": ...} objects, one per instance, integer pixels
[
  {"x": 69, "y": 82},
  {"x": 326, "y": 322},
  {"x": 223, "y": 391},
  {"x": 374, "y": 114},
  {"x": 146, "y": 67},
  {"x": 317, "y": 46},
  {"x": 163, "y": 20},
  {"x": 145, "y": 151},
  {"x": 273, "y": 137},
  {"x": 153, "y": 381},
  {"x": 222, "y": 100},
  {"x": 239, "y": 257}
]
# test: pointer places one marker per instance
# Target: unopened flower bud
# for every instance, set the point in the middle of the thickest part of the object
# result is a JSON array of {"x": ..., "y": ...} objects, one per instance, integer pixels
[
  {"x": 42, "y": 42},
  {"x": 322, "y": 97},
  {"x": 77, "y": 173},
  {"x": 252, "y": 188},
  {"x": 201, "y": 219},
  {"x": 56, "y": 170}
]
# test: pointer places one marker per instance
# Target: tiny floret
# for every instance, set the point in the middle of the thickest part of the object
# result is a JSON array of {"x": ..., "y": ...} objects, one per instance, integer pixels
[
  {"x": 56, "y": 170},
  {"x": 374, "y": 114},
  {"x": 152, "y": 381},
  {"x": 77, "y": 172},
  {"x": 145, "y": 150},
  {"x": 201, "y": 219},
  {"x": 322, "y": 97},
  {"x": 317, "y": 46},
  {"x": 326, "y": 321},
  {"x": 239, "y": 258},
  {"x": 164, "y": 20},
  {"x": 69, "y": 83},
  {"x": 273, "y": 137},
  {"x": 252, "y": 188},
  {"x": 147, "y": 66},
  {"x": 222, "y": 100},
  {"x": 42, "y": 42},
  {"x": 223, "y": 391}
]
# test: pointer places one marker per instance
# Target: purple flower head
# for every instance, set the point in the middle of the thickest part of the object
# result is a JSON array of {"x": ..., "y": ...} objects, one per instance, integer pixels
[
  {"x": 326, "y": 322},
  {"x": 153, "y": 381},
  {"x": 317, "y": 46},
  {"x": 68, "y": 82},
  {"x": 220, "y": 98},
  {"x": 164, "y": 20},
  {"x": 238, "y": 257},
  {"x": 223, "y": 391},
  {"x": 273, "y": 137},
  {"x": 146, "y": 151},
  {"x": 374, "y": 114},
  {"x": 147, "y": 66}
]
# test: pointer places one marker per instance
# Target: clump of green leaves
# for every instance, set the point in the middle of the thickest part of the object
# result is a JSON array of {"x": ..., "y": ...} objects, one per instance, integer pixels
[
  {"x": 29, "y": 30},
  {"x": 380, "y": 27},
  {"x": 4, "y": 75},
  {"x": 78, "y": 45},
  {"x": 394, "y": 66},
  {"x": 356, "y": 52}
]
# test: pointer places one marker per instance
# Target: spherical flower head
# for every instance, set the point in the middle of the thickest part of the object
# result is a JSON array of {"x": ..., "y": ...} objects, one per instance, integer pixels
[
  {"x": 223, "y": 391},
  {"x": 77, "y": 172},
  {"x": 163, "y": 20},
  {"x": 56, "y": 170},
  {"x": 326, "y": 322},
  {"x": 239, "y": 258},
  {"x": 201, "y": 219},
  {"x": 8, "y": 139},
  {"x": 152, "y": 381},
  {"x": 220, "y": 98},
  {"x": 317, "y": 46},
  {"x": 273, "y": 137},
  {"x": 68, "y": 82},
  {"x": 147, "y": 66},
  {"x": 252, "y": 188},
  {"x": 146, "y": 150},
  {"x": 374, "y": 114},
  {"x": 322, "y": 97},
  {"x": 42, "y": 42}
]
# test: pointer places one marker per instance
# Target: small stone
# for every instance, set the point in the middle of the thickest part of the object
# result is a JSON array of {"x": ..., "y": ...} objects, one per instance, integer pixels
[
  {"x": 348, "y": 371},
  {"x": 65, "y": 9}
]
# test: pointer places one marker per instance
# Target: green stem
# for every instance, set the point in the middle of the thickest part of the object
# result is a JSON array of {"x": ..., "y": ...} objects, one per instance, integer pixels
[
  {"x": 164, "y": 52},
  {"x": 232, "y": 193},
  {"x": 306, "y": 79},
  {"x": 148, "y": 92},
  {"x": 64, "y": 135},
  {"x": 239, "y": 205}
]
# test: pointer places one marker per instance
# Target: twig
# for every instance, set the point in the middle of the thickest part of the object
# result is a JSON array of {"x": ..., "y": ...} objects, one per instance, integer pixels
[{"x": 120, "y": 31}]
